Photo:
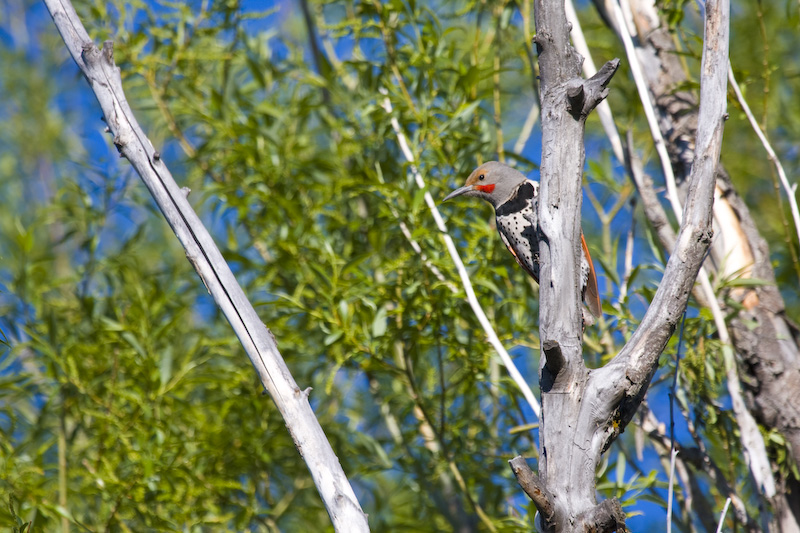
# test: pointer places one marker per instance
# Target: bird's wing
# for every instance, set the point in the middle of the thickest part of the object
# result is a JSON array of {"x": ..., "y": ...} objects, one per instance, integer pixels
[
  {"x": 514, "y": 253},
  {"x": 591, "y": 295}
]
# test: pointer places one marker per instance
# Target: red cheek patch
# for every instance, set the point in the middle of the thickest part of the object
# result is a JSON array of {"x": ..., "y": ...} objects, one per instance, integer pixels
[{"x": 486, "y": 188}]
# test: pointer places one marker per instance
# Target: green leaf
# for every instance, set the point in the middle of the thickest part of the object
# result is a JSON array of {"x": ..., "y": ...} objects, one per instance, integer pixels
[
  {"x": 333, "y": 337},
  {"x": 379, "y": 323}
]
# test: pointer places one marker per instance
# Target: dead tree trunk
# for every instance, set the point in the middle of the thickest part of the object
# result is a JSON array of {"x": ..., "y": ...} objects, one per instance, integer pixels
[{"x": 584, "y": 410}]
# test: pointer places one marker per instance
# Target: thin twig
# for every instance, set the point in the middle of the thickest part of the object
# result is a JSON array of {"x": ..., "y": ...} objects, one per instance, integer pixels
[
  {"x": 628, "y": 269},
  {"x": 673, "y": 450},
  {"x": 649, "y": 110},
  {"x": 459, "y": 264},
  {"x": 417, "y": 248},
  {"x": 673, "y": 456},
  {"x": 703, "y": 461},
  {"x": 674, "y": 390},
  {"x": 415, "y": 244},
  {"x": 698, "y": 458},
  {"x": 498, "y": 116},
  {"x": 527, "y": 128},
  {"x": 391, "y": 56},
  {"x": 533, "y": 112},
  {"x": 722, "y": 516},
  {"x": 791, "y": 190},
  {"x": 435, "y": 441},
  {"x": 749, "y": 433}
]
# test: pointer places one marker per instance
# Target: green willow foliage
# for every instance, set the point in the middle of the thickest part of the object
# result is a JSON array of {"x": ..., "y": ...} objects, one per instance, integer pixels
[{"x": 125, "y": 401}]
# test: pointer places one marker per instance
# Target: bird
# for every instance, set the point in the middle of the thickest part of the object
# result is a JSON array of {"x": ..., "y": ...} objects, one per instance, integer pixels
[{"x": 515, "y": 201}]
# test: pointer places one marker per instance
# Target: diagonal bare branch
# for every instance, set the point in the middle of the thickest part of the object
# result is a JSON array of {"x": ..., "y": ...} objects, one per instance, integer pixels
[
  {"x": 738, "y": 250},
  {"x": 104, "y": 78},
  {"x": 628, "y": 375},
  {"x": 791, "y": 190}
]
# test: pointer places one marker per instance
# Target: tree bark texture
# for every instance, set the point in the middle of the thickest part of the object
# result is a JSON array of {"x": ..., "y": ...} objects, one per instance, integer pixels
[
  {"x": 583, "y": 411},
  {"x": 104, "y": 78},
  {"x": 566, "y": 469},
  {"x": 764, "y": 337}
]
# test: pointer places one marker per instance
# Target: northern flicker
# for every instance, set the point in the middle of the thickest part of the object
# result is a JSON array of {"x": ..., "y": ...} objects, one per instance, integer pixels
[{"x": 515, "y": 201}]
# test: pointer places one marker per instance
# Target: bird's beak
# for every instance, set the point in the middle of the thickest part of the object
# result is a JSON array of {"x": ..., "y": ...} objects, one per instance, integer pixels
[{"x": 458, "y": 192}]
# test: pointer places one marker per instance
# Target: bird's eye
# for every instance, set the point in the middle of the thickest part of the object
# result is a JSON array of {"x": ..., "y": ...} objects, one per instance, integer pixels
[{"x": 481, "y": 177}]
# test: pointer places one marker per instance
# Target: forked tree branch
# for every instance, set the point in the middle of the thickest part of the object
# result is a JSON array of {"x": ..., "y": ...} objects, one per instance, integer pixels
[
  {"x": 626, "y": 378},
  {"x": 104, "y": 78},
  {"x": 584, "y": 411},
  {"x": 764, "y": 339},
  {"x": 566, "y": 462}
]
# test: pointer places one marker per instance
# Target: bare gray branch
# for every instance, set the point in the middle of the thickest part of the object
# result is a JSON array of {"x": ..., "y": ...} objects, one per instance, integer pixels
[
  {"x": 534, "y": 488},
  {"x": 629, "y": 373},
  {"x": 583, "y": 411},
  {"x": 104, "y": 77}
]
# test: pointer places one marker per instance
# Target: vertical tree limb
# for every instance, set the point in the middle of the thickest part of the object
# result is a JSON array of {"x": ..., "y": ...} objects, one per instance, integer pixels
[
  {"x": 103, "y": 76},
  {"x": 566, "y": 466},
  {"x": 583, "y": 411}
]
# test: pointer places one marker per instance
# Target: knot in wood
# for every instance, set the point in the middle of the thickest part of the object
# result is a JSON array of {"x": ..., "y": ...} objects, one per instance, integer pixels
[
  {"x": 575, "y": 98},
  {"x": 554, "y": 358},
  {"x": 108, "y": 52}
]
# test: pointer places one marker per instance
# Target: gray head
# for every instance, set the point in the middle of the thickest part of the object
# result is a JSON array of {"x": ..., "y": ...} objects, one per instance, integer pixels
[{"x": 492, "y": 181}]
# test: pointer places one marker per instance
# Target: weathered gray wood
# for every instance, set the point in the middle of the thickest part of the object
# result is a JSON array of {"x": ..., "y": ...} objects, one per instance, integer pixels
[
  {"x": 767, "y": 341},
  {"x": 634, "y": 366},
  {"x": 564, "y": 468},
  {"x": 583, "y": 411},
  {"x": 103, "y": 76},
  {"x": 534, "y": 488}
]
